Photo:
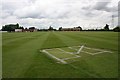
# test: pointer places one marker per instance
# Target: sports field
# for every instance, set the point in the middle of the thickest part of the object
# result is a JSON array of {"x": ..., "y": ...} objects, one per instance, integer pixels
[{"x": 28, "y": 55}]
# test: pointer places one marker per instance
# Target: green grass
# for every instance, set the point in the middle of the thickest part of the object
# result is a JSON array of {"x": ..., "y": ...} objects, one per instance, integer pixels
[
  {"x": 59, "y": 54},
  {"x": 22, "y": 57},
  {"x": 68, "y": 49},
  {"x": 90, "y": 50}
]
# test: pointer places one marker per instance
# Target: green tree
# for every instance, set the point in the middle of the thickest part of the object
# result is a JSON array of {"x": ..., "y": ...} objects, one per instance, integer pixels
[
  {"x": 80, "y": 28},
  {"x": 106, "y": 28},
  {"x": 50, "y": 28},
  {"x": 17, "y": 25},
  {"x": 21, "y": 27},
  {"x": 10, "y": 27},
  {"x": 117, "y": 29},
  {"x": 60, "y": 28}
]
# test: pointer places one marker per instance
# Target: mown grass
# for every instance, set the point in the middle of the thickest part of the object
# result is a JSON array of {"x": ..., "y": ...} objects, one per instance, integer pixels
[{"x": 22, "y": 58}]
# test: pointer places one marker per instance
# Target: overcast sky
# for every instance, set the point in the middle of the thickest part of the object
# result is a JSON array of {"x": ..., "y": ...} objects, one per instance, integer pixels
[{"x": 59, "y": 13}]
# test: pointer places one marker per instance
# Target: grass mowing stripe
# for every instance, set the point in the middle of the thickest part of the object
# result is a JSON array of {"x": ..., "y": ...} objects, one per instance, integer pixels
[
  {"x": 84, "y": 71},
  {"x": 100, "y": 35},
  {"x": 21, "y": 58},
  {"x": 90, "y": 41},
  {"x": 11, "y": 36},
  {"x": 25, "y": 36},
  {"x": 35, "y": 69},
  {"x": 67, "y": 40},
  {"x": 53, "y": 41},
  {"x": 26, "y": 61},
  {"x": 17, "y": 43},
  {"x": 62, "y": 37}
]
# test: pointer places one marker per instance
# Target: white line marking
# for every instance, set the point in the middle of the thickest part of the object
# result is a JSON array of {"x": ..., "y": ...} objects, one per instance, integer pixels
[
  {"x": 102, "y": 52},
  {"x": 94, "y": 53},
  {"x": 94, "y": 49},
  {"x": 72, "y": 48},
  {"x": 98, "y": 49},
  {"x": 67, "y": 52},
  {"x": 87, "y": 52},
  {"x": 64, "y": 51},
  {"x": 78, "y": 52},
  {"x": 71, "y": 58},
  {"x": 62, "y": 61}
]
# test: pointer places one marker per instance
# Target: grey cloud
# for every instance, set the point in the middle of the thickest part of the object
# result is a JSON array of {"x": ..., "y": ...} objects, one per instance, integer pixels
[
  {"x": 10, "y": 6},
  {"x": 86, "y": 8},
  {"x": 5, "y": 15},
  {"x": 101, "y": 5},
  {"x": 116, "y": 15},
  {"x": 90, "y": 14},
  {"x": 33, "y": 1},
  {"x": 52, "y": 13},
  {"x": 97, "y": 6},
  {"x": 41, "y": 15}
]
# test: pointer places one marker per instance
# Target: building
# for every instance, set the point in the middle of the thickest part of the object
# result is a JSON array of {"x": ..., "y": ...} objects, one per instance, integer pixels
[
  {"x": 18, "y": 30},
  {"x": 71, "y": 29},
  {"x": 32, "y": 29}
]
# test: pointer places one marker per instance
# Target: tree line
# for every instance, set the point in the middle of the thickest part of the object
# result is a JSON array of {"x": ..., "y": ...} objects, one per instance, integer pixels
[
  {"x": 106, "y": 28},
  {"x": 12, "y": 27}
]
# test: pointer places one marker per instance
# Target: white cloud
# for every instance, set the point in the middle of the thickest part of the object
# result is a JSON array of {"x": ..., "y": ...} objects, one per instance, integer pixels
[{"x": 65, "y": 13}]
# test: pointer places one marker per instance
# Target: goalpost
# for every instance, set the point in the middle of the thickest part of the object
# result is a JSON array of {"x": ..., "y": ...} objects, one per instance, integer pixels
[{"x": 80, "y": 49}]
